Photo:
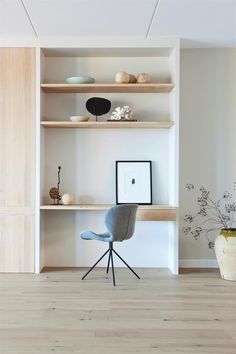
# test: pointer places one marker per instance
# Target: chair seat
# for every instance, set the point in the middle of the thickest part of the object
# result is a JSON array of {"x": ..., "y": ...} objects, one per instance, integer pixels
[{"x": 89, "y": 235}]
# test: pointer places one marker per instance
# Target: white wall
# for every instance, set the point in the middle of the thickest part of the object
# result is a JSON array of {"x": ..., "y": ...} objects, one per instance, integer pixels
[{"x": 207, "y": 133}]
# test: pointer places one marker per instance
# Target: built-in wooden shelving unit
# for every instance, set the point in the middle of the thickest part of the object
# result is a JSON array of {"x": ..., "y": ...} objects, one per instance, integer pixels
[
  {"x": 153, "y": 137},
  {"x": 145, "y": 212},
  {"x": 103, "y": 125},
  {"x": 99, "y": 88}
]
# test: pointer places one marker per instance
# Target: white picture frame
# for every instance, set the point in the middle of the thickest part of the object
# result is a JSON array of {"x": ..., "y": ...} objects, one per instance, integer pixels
[{"x": 134, "y": 182}]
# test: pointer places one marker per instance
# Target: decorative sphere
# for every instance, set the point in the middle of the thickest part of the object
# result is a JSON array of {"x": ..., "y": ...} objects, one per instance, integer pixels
[
  {"x": 54, "y": 193},
  {"x": 143, "y": 78},
  {"x": 67, "y": 199},
  {"x": 132, "y": 79},
  {"x": 122, "y": 77}
]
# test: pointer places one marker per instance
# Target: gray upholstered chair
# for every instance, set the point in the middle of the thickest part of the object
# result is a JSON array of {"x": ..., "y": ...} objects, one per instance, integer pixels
[{"x": 120, "y": 224}]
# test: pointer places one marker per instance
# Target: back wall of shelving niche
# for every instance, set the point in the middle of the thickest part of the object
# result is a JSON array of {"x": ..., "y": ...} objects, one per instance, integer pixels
[{"x": 88, "y": 156}]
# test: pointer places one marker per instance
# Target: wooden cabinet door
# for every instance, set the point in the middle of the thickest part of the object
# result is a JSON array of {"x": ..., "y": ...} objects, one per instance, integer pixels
[
  {"x": 17, "y": 159},
  {"x": 16, "y": 242}
]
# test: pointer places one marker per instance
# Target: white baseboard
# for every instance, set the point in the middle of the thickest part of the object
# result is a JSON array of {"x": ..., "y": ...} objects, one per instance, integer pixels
[{"x": 198, "y": 263}]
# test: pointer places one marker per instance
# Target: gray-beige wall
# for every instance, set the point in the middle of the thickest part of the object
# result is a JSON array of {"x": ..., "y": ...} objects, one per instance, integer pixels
[{"x": 207, "y": 135}]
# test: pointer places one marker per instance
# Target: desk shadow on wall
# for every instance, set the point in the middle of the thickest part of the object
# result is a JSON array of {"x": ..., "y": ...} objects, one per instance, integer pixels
[{"x": 60, "y": 243}]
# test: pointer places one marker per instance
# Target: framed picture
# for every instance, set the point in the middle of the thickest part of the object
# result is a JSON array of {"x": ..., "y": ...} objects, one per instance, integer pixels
[{"x": 134, "y": 182}]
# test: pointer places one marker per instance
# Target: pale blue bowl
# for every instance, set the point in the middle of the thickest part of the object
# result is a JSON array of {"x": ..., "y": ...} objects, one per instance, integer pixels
[{"x": 80, "y": 80}]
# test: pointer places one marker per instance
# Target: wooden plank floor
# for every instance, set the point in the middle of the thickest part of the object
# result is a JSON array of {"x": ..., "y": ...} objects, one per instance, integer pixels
[{"x": 55, "y": 312}]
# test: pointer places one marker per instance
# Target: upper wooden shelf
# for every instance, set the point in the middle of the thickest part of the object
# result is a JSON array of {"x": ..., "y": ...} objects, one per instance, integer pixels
[
  {"x": 145, "y": 212},
  {"x": 103, "y": 125},
  {"x": 98, "y": 88}
]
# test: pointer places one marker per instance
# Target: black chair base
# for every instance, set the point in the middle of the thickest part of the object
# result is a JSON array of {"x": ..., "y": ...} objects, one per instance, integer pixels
[{"x": 110, "y": 259}]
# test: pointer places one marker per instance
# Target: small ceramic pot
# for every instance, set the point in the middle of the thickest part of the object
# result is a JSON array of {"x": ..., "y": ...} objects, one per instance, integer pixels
[
  {"x": 67, "y": 199},
  {"x": 132, "y": 79},
  {"x": 79, "y": 118},
  {"x": 143, "y": 78},
  {"x": 225, "y": 249},
  {"x": 122, "y": 77}
]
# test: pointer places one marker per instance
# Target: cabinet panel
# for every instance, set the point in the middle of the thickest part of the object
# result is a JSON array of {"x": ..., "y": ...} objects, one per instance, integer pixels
[
  {"x": 17, "y": 243},
  {"x": 17, "y": 159},
  {"x": 17, "y": 126}
]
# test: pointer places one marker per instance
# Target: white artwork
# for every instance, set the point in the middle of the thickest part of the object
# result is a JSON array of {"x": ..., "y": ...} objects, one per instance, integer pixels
[{"x": 133, "y": 182}]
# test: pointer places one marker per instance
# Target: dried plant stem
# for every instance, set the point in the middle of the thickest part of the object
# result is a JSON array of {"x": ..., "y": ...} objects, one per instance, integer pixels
[{"x": 219, "y": 213}]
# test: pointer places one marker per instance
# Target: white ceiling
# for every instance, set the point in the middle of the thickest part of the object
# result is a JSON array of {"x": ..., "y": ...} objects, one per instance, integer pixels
[
  {"x": 200, "y": 23},
  {"x": 90, "y": 17},
  {"x": 14, "y": 21}
]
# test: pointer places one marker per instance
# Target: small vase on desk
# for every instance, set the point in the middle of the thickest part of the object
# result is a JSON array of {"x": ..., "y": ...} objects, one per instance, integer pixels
[{"x": 67, "y": 199}]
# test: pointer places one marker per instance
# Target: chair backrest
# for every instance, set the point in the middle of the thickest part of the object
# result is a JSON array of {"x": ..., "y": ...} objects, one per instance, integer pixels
[{"x": 120, "y": 221}]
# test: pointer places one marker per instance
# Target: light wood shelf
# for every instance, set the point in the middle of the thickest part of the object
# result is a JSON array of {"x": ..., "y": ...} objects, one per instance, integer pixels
[
  {"x": 145, "y": 212},
  {"x": 103, "y": 125},
  {"x": 99, "y": 88}
]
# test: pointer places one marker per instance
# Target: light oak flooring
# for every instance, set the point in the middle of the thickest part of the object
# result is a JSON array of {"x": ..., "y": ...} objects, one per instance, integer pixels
[{"x": 57, "y": 312}]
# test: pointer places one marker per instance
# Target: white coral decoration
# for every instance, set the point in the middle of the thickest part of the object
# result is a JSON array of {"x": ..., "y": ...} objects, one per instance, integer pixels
[{"x": 124, "y": 113}]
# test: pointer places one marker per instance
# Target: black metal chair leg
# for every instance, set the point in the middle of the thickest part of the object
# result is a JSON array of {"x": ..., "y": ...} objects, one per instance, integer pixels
[
  {"x": 113, "y": 271},
  {"x": 126, "y": 264},
  {"x": 108, "y": 263},
  {"x": 95, "y": 264}
]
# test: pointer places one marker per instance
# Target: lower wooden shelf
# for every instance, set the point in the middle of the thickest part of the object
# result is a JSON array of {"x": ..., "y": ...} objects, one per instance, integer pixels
[{"x": 145, "y": 212}]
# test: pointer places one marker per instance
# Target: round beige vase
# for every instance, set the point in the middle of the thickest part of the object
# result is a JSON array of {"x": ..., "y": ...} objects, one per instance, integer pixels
[{"x": 225, "y": 249}]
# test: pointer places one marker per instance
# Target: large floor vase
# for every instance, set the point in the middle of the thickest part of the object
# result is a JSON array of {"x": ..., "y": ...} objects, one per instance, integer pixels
[{"x": 225, "y": 248}]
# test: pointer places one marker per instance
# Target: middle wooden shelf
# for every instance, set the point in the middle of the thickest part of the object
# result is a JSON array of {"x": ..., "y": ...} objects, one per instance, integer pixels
[{"x": 102, "y": 125}]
